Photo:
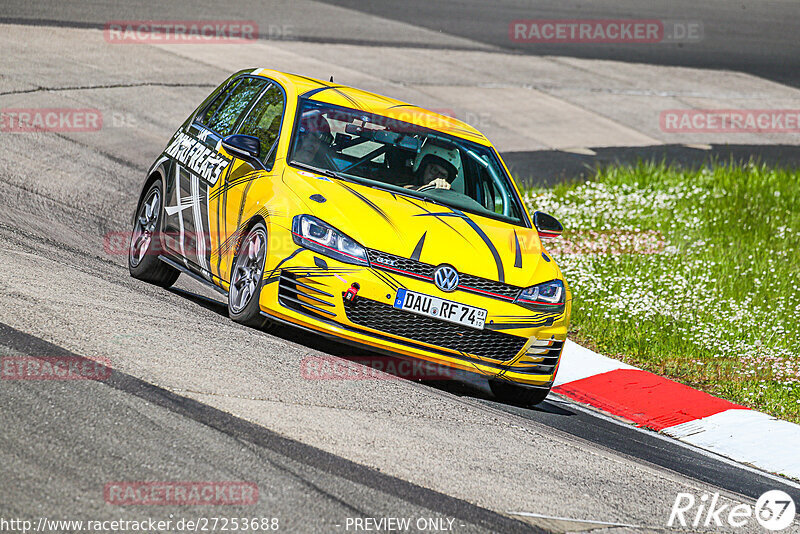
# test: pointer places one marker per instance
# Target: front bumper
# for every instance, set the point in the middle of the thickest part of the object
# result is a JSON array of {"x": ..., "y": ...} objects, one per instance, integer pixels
[{"x": 306, "y": 289}]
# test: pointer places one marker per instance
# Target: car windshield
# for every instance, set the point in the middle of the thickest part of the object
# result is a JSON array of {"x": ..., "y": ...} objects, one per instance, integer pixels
[{"x": 395, "y": 155}]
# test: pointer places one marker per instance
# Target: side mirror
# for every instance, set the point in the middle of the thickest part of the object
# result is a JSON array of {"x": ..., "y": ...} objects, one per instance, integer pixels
[
  {"x": 547, "y": 225},
  {"x": 246, "y": 147}
]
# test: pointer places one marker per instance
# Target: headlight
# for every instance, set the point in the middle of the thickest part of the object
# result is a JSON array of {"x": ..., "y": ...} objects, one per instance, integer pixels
[
  {"x": 548, "y": 295},
  {"x": 321, "y": 237}
]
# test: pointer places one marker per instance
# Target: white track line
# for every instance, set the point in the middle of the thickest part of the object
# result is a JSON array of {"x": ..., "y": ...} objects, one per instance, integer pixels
[
  {"x": 590, "y": 521},
  {"x": 746, "y": 436}
]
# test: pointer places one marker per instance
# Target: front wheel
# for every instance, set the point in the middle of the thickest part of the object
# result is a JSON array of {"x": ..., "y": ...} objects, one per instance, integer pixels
[
  {"x": 246, "y": 279},
  {"x": 515, "y": 394},
  {"x": 145, "y": 245}
]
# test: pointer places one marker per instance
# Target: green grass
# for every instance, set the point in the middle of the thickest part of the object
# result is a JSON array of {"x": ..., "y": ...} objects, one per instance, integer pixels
[{"x": 694, "y": 275}]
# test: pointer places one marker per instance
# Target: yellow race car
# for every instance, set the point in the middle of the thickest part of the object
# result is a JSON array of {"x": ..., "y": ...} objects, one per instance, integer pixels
[{"x": 359, "y": 217}]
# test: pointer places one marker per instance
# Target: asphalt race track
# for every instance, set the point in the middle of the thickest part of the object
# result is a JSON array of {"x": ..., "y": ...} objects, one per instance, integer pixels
[
  {"x": 194, "y": 396},
  {"x": 754, "y": 37}
]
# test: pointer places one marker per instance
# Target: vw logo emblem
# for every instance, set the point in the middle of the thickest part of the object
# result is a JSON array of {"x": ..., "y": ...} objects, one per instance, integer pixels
[{"x": 445, "y": 278}]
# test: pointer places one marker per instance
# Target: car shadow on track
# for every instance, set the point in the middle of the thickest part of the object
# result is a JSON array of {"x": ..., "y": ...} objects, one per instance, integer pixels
[
  {"x": 458, "y": 383},
  {"x": 295, "y": 335}
]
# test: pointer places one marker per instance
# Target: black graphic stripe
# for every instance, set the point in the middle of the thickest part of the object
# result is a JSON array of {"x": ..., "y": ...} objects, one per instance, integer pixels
[
  {"x": 284, "y": 260},
  {"x": 384, "y": 280},
  {"x": 226, "y": 245},
  {"x": 388, "y": 280},
  {"x": 219, "y": 234},
  {"x": 244, "y": 200},
  {"x": 438, "y": 214},
  {"x": 462, "y": 131},
  {"x": 548, "y": 321},
  {"x": 495, "y": 254},
  {"x": 320, "y": 269},
  {"x": 224, "y": 203},
  {"x": 249, "y": 177},
  {"x": 238, "y": 181},
  {"x": 438, "y": 217},
  {"x": 395, "y": 280},
  {"x": 472, "y": 224},
  {"x": 233, "y": 238},
  {"x": 519, "y": 318},
  {"x": 384, "y": 98},
  {"x": 338, "y": 90},
  {"x": 371, "y": 204},
  {"x": 418, "y": 249},
  {"x": 517, "y": 253},
  {"x": 313, "y": 92},
  {"x": 355, "y": 103}
]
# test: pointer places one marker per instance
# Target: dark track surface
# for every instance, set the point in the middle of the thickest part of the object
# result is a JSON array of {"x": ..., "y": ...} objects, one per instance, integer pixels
[
  {"x": 748, "y": 36},
  {"x": 71, "y": 438},
  {"x": 754, "y": 37}
]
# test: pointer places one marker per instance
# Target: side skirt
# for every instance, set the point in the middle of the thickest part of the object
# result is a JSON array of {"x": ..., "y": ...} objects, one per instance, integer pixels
[{"x": 191, "y": 273}]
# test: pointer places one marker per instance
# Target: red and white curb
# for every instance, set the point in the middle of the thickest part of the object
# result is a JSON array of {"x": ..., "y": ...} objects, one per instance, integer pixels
[{"x": 689, "y": 415}]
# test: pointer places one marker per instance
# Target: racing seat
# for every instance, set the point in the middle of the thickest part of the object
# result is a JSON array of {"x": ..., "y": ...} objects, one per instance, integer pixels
[{"x": 398, "y": 168}]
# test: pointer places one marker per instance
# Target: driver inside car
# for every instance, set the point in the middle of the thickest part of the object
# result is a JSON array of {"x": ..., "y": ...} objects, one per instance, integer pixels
[
  {"x": 436, "y": 167},
  {"x": 314, "y": 141}
]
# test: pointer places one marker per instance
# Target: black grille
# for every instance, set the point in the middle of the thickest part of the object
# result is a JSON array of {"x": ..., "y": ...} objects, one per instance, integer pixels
[
  {"x": 467, "y": 282},
  {"x": 385, "y": 318},
  {"x": 549, "y": 357},
  {"x": 392, "y": 262},
  {"x": 314, "y": 300}
]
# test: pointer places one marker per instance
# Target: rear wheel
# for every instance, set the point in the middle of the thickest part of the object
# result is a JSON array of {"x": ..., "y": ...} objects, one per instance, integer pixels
[
  {"x": 520, "y": 395},
  {"x": 246, "y": 279},
  {"x": 143, "y": 262}
]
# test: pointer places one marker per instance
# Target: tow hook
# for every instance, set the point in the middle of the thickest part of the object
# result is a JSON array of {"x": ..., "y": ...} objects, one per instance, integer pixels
[{"x": 350, "y": 295}]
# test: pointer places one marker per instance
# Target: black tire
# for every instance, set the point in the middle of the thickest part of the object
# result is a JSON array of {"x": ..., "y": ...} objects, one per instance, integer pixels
[
  {"x": 520, "y": 395},
  {"x": 247, "y": 272},
  {"x": 145, "y": 244}
]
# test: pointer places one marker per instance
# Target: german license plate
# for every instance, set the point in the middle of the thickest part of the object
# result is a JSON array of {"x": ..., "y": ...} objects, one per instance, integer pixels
[{"x": 438, "y": 308}]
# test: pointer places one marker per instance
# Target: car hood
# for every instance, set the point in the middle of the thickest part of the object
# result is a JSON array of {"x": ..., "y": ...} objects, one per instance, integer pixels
[{"x": 431, "y": 233}]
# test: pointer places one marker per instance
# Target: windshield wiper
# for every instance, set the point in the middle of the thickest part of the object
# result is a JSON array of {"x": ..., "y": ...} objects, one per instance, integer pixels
[
  {"x": 330, "y": 173},
  {"x": 434, "y": 201},
  {"x": 410, "y": 194}
]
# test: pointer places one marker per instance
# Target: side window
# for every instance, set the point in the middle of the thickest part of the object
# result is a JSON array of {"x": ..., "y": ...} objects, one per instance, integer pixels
[
  {"x": 221, "y": 97},
  {"x": 264, "y": 121},
  {"x": 223, "y": 116}
]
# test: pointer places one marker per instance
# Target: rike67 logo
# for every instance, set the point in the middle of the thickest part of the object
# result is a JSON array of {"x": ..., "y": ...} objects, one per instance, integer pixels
[{"x": 774, "y": 510}]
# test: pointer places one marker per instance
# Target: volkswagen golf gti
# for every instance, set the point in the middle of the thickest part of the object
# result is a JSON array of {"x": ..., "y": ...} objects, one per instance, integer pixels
[{"x": 358, "y": 217}]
